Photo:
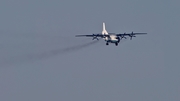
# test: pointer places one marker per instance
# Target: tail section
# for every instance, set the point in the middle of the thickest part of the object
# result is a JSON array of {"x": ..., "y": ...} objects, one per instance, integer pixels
[
  {"x": 104, "y": 26},
  {"x": 104, "y": 32}
]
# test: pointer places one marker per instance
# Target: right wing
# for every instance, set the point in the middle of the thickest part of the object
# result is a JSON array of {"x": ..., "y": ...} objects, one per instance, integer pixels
[{"x": 130, "y": 34}]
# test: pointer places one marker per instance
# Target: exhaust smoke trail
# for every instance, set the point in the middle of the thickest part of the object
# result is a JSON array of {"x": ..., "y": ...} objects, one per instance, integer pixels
[
  {"x": 40, "y": 56},
  {"x": 73, "y": 48},
  {"x": 64, "y": 50}
]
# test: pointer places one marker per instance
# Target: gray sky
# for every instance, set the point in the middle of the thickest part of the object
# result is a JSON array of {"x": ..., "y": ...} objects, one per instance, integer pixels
[{"x": 41, "y": 60}]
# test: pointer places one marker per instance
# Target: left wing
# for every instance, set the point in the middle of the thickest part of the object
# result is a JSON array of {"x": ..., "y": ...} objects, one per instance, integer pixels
[{"x": 95, "y": 36}]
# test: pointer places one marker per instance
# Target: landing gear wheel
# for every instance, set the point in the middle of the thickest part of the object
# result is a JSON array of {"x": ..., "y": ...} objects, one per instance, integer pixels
[
  {"x": 107, "y": 43},
  {"x": 116, "y": 44}
]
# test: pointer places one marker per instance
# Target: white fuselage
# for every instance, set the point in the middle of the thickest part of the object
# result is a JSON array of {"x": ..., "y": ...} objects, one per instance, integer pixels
[{"x": 112, "y": 39}]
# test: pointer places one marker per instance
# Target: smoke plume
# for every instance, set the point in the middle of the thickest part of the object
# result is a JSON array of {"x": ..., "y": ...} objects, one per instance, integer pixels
[{"x": 40, "y": 56}]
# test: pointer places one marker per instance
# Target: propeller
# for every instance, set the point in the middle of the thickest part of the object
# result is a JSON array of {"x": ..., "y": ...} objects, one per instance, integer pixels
[
  {"x": 123, "y": 36},
  {"x": 132, "y": 35},
  {"x": 95, "y": 37}
]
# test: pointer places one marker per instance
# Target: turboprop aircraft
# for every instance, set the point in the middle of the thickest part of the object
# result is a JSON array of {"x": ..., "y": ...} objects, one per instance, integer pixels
[{"x": 111, "y": 37}]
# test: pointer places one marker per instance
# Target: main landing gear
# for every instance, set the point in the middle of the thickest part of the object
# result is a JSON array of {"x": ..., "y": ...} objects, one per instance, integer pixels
[{"x": 115, "y": 43}]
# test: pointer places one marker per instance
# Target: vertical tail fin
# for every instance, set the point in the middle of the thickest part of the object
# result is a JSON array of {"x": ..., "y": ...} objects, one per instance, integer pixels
[
  {"x": 104, "y": 26},
  {"x": 104, "y": 32}
]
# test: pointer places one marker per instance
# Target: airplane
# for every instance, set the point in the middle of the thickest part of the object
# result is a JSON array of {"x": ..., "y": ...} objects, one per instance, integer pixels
[{"x": 111, "y": 37}]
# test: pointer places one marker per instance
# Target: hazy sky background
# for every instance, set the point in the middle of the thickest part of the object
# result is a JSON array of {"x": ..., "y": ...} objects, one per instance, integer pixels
[{"x": 41, "y": 60}]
